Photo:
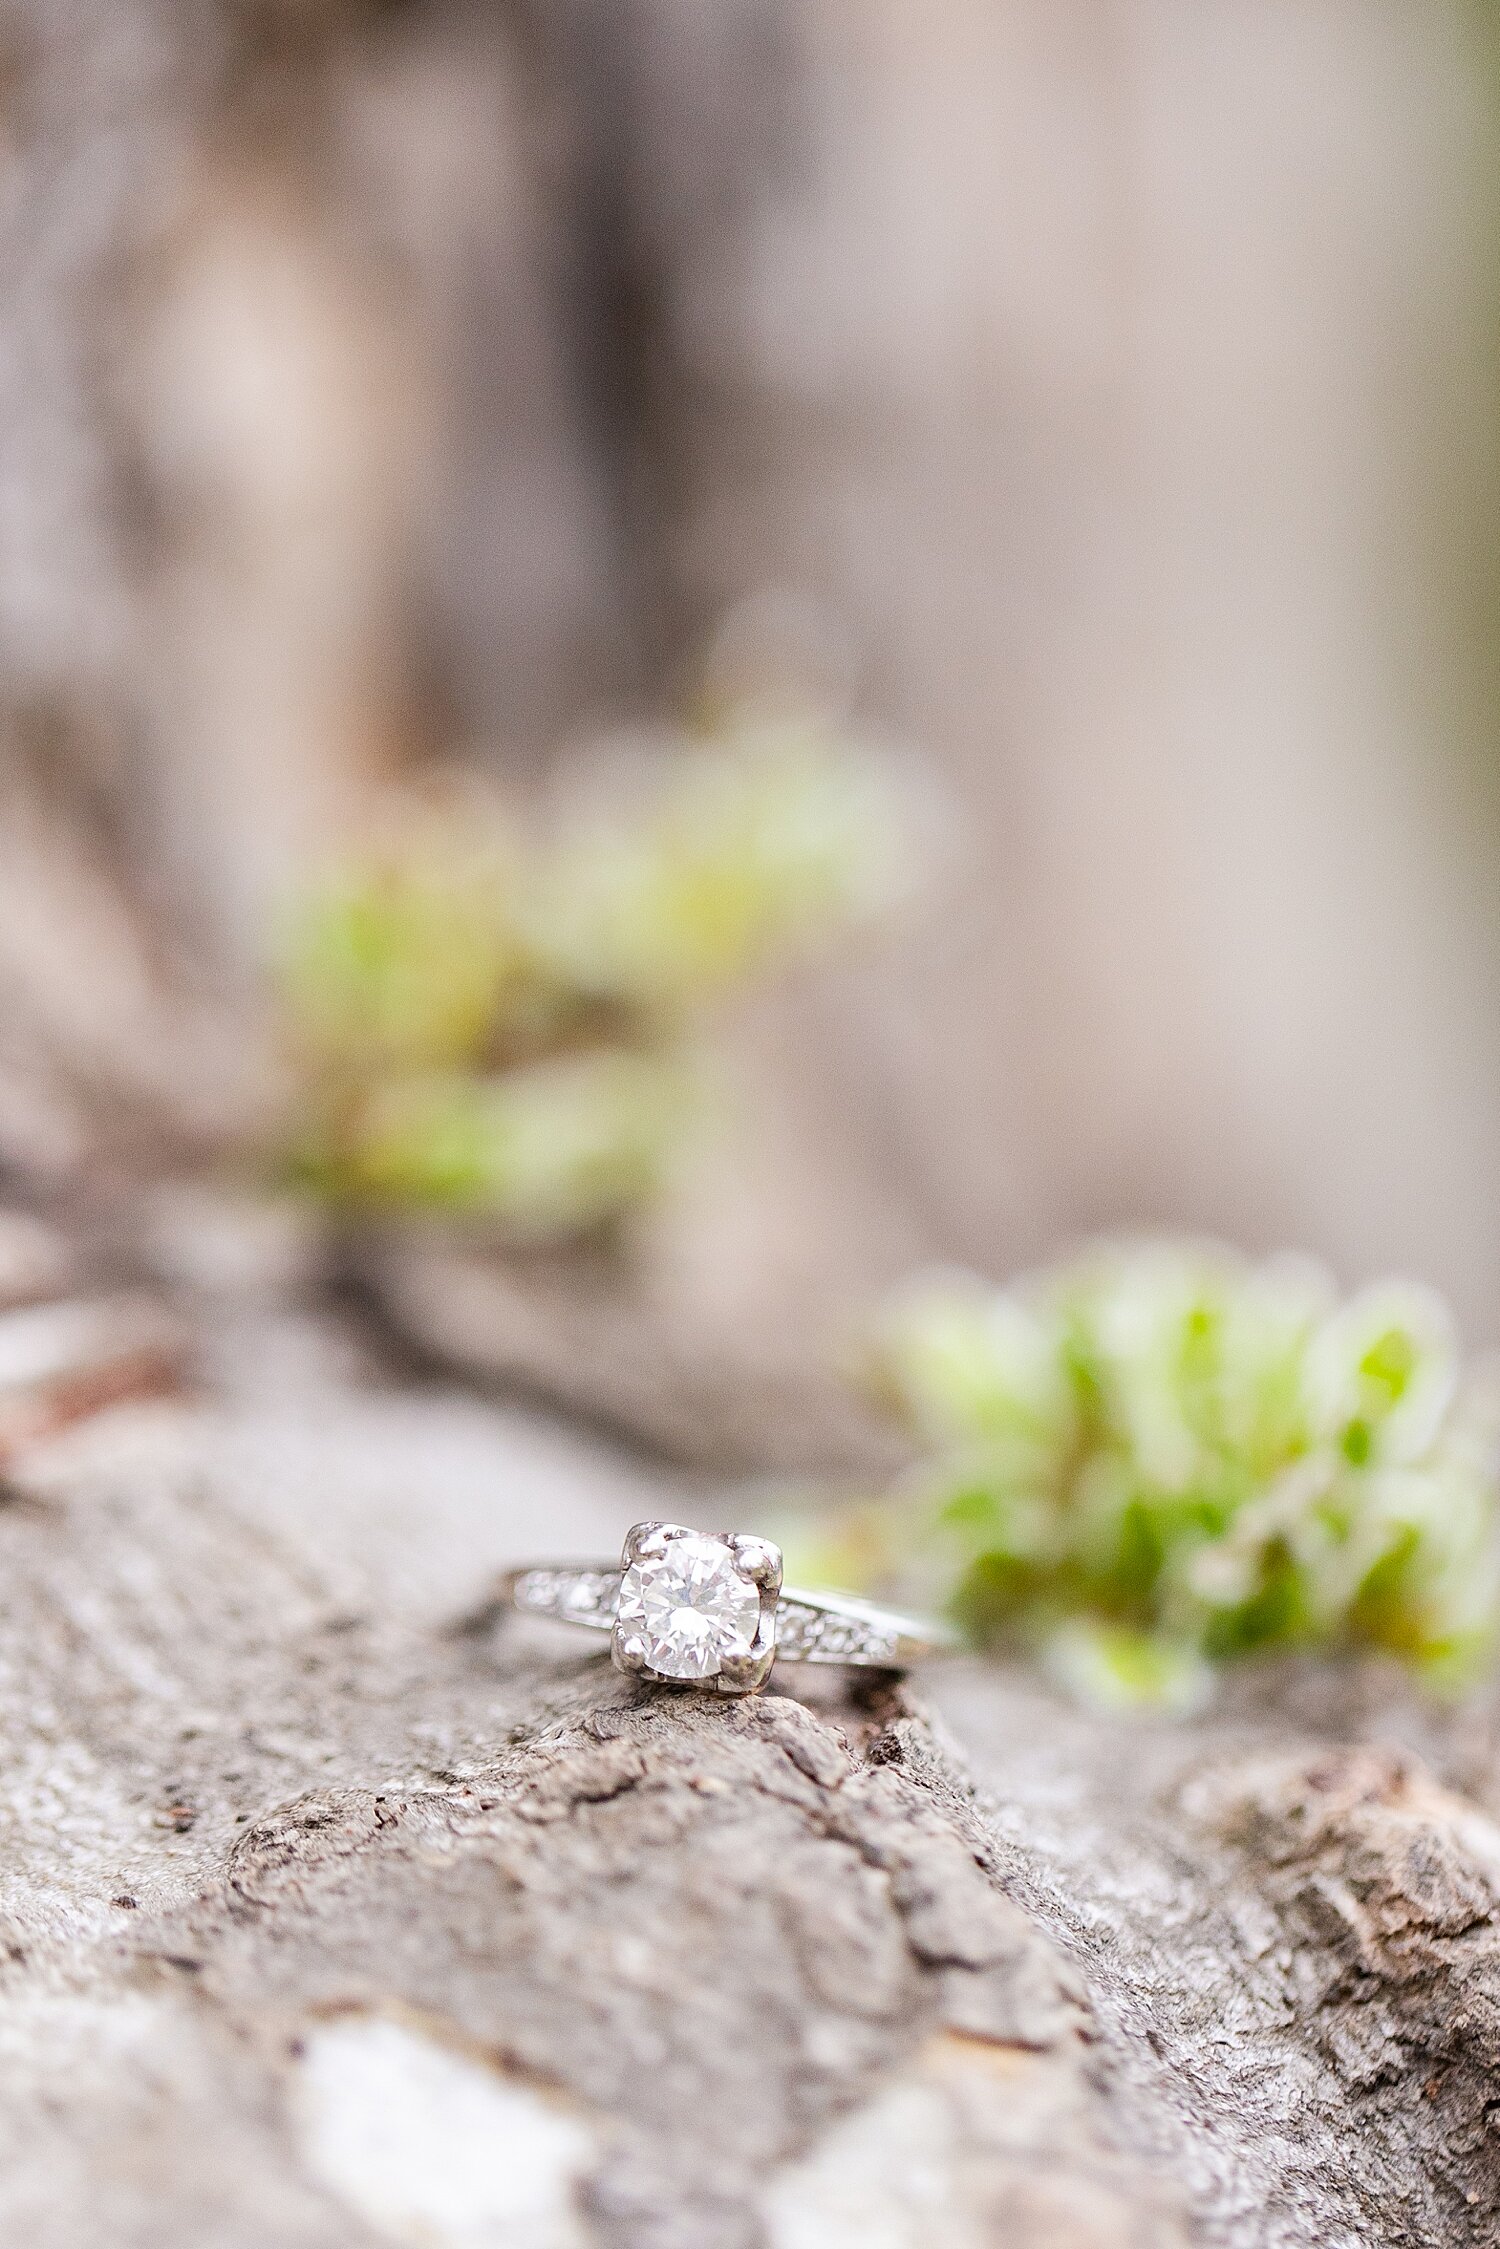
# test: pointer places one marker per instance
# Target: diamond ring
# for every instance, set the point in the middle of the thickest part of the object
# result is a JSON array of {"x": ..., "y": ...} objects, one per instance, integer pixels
[{"x": 708, "y": 1609}]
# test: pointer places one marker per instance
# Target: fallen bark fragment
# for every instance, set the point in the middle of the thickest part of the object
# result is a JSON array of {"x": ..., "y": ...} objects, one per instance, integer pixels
[{"x": 60, "y": 1362}]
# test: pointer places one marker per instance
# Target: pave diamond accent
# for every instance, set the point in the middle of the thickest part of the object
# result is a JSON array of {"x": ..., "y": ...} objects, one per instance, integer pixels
[
  {"x": 690, "y": 1608},
  {"x": 576, "y": 1596},
  {"x": 803, "y": 1630}
]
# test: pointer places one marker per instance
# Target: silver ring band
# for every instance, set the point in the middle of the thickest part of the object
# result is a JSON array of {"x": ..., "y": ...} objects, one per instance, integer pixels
[{"x": 709, "y": 1610}]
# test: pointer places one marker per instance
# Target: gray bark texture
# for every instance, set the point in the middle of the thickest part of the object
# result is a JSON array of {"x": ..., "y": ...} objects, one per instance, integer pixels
[
  {"x": 335, "y": 1914},
  {"x": 329, "y": 1919}
]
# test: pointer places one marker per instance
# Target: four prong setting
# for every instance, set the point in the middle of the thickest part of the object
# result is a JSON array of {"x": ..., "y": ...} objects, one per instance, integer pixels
[{"x": 697, "y": 1608}]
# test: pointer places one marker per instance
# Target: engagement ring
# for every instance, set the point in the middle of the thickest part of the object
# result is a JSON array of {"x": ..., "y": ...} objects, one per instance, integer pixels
[{"x": 708, "y": 1609}]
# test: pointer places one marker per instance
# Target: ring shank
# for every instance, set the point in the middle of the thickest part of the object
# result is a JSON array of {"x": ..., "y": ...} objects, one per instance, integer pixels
[{"x": 810, "y": 1627}]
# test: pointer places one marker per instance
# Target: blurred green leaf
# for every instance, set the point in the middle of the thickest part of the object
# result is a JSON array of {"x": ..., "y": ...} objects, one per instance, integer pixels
[
  {"x": 1157, "y": 1459},
  {"x": 405, "y": 959},
  {"x": 551, "y": 1147},
  {"x": 500, "y": 1025},
  {"x": 752, "y": 849}
]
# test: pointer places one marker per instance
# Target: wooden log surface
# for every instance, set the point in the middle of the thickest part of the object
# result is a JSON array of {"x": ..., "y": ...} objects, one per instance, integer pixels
[
  {"x": 324, "y": 1920},
  {"x": 330, "y": 1918}
]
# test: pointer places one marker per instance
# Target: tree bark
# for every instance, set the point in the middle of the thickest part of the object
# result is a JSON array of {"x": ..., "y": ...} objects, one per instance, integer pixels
[
  {"x": 323, "y": 1920},
  {"x": 330, "y": 1919}
]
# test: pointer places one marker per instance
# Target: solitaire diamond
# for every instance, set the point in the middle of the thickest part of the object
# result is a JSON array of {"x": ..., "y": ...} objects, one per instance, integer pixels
[{"x": 688, "y": 1609}]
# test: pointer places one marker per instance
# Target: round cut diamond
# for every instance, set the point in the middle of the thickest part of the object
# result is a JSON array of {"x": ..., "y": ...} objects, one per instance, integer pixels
[{"x": 689, "y": 1608}]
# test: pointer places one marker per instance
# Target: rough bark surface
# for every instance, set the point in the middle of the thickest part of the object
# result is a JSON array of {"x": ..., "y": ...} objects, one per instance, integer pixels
[
  {"x": 255, "y": 1816},
  {"x": 1287, "y": 1927},
  {"x": 323, "y": 1921},
  {"x": 330, "y": 1919}
]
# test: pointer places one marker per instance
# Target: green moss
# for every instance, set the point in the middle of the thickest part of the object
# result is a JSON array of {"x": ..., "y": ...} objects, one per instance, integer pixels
[
  {"x": 1164, "y": 1458},
  {"x": 500, "y": 1024}
]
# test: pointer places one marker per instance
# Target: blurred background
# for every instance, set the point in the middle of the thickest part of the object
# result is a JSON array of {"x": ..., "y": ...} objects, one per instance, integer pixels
[{"x": 1098, "y": 397}]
